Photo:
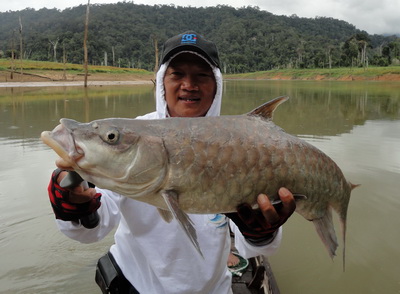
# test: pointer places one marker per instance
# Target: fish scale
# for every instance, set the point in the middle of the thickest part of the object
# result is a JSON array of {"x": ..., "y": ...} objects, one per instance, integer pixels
[
  {"x": 206, "y": 165},
  {"x": 204, "y": 170}
]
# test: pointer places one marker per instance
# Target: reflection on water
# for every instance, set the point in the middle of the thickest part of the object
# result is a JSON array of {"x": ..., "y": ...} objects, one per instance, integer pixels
[
  {"x": 357, "y": 124},
  {"x": 25, "y": 115}
]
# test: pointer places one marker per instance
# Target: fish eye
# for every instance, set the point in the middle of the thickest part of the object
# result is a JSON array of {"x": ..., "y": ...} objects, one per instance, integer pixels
[{"x": 111, "y": 137}]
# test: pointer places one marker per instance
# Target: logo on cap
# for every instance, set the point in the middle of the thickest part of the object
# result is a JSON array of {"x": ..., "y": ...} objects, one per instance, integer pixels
[{"x": 189, "y": 39}]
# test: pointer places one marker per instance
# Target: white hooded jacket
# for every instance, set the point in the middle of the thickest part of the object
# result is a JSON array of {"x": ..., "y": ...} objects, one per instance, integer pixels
[{"x": 156, "y": 256}]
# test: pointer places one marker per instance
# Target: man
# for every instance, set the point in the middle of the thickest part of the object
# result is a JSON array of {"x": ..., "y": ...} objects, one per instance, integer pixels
[{"x": 150, "y": 255}]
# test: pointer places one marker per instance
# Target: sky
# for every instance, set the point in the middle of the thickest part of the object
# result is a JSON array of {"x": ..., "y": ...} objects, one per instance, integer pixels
[{"x": 372, "y": 16}]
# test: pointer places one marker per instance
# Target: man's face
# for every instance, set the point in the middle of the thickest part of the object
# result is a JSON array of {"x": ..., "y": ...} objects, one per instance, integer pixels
[{"x": 189, "y": 85}]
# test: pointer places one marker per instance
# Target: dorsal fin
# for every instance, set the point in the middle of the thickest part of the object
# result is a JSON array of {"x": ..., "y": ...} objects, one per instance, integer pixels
[{"x": 267, "y": 109}]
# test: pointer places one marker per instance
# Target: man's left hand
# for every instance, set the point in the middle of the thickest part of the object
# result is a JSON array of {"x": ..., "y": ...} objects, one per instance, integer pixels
[{"x": 259, "y": 226}]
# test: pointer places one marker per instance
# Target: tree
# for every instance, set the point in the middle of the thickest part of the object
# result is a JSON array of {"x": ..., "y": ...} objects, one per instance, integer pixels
[
  {"x": 155, "y": 42},
  {"x": 85, "y": 50},
  {"x": 363, "y": 40},
  {"x": 54, "y": 44},
  {"x": 12, "y": 57},
  {"x": 248, "y": 39},
  {"x": 64, "y": 63},
  {"x": 355, "y": 50},
  {"x": 392, "y": 51},
  {"x": 20, "y": 43}
]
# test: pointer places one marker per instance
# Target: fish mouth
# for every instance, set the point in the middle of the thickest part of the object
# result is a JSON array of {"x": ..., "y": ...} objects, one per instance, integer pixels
[{"x": 62, "y": 141}]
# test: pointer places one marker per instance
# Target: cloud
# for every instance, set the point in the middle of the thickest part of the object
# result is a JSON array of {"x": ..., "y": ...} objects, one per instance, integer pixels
[
  {"x": 373, "y": 16},
  {"x": 370, "y": 15}
]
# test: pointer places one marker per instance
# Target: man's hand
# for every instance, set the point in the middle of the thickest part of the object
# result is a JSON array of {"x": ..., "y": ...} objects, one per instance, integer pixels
[
  {"x": 276, "y": 216},
  {"x": 77, "y": 194},
  {"x": 259, "y": 226},
  {"x": 73, "y": 204}
]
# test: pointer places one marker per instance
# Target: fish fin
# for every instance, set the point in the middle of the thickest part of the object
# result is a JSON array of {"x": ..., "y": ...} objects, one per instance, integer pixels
[
  {"x": 171, "y": 198},
  {"x": 326, "y": 232},
  {"x": 267, "y": 109},
  {"x": 342, "y": 212},
  {"x": 165, "y": 215},
  {"x": 343, "y": 225},
  {"x": 353, "y": 186}
]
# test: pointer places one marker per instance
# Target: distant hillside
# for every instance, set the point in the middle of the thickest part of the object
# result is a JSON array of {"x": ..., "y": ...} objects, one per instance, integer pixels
[{"x": 125, "y": 34}]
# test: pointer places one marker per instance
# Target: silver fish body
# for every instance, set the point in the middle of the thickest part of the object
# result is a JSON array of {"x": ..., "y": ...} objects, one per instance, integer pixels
[{"x": 205, "y": 165}]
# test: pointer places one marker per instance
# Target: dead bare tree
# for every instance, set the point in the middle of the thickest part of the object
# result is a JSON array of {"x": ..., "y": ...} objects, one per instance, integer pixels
[
  {"x": 363, "y": 51},
  {"x": 20, "y": 43},
  {"x": 85, "y": 50},
  {"x": 155, "y": 43},
  {"x": 113, "y": 55},
  {"x": 12, "y": 56},
  {"x": 64, "y": 63},
  {"x": 54, "y": 44},
  {"x": 329, "y": 55}
]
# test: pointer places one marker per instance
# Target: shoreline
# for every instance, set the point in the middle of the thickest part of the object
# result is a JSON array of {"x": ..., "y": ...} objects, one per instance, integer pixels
[
  {"x": 31, "y": 84},
  {"x": 343, "y": 78},
  {"x": 71, "y": 84},
  {"x": 36, "y": 84},
  {"x": 49, "y": 78}
]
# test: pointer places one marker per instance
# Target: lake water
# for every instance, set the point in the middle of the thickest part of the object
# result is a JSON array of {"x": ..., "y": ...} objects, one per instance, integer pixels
[{"x": 357, "y": 124}]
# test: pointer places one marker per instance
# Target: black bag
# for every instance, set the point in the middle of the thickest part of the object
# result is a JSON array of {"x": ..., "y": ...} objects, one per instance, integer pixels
[{"x": 110, "y": 278}]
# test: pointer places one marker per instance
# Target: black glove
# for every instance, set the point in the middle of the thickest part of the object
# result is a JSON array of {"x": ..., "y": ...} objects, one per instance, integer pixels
[{"x": 65, "y": 210}]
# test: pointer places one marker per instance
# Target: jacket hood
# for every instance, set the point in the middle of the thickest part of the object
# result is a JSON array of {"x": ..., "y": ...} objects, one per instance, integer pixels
[{"x": 161, "y": 104}]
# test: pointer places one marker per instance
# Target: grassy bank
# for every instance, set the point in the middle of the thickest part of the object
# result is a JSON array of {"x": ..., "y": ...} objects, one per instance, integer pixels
[
  {"x": 32, "y": 65},
  {"x": 55, "y": 71},
  {"x": 345, "y": 74}
]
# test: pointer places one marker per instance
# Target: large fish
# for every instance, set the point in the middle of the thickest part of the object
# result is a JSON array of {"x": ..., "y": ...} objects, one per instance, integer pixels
[{"x": 205, "y": 165}]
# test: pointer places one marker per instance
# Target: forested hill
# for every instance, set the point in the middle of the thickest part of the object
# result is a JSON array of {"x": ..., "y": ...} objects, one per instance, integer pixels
[{"x": 249, "y": 39}]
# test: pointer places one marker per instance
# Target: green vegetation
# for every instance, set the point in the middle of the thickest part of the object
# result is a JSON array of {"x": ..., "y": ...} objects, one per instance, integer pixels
[
  {"x": 32, "y": 65},
  {"x": 46, "y": 68},
  {"x": 249, "y": 39},
  {"x": 372, "y": 72}
]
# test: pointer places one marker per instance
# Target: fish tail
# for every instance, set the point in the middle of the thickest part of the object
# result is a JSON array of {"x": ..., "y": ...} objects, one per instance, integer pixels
[
  {"x": 326, "y": 231},
  {"x": 343, "y": 222},
  {"x": 343, "y": 225},
  {"x": 342, "y": 212}
]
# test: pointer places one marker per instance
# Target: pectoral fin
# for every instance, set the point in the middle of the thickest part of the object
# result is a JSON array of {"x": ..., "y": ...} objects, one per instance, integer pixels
[
  {"x": 165, "y": 215},
  {"x": 171, "y": 198}
]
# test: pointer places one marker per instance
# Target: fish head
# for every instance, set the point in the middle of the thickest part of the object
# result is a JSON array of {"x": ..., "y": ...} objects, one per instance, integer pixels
[{"x": 108, "y": 153}]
